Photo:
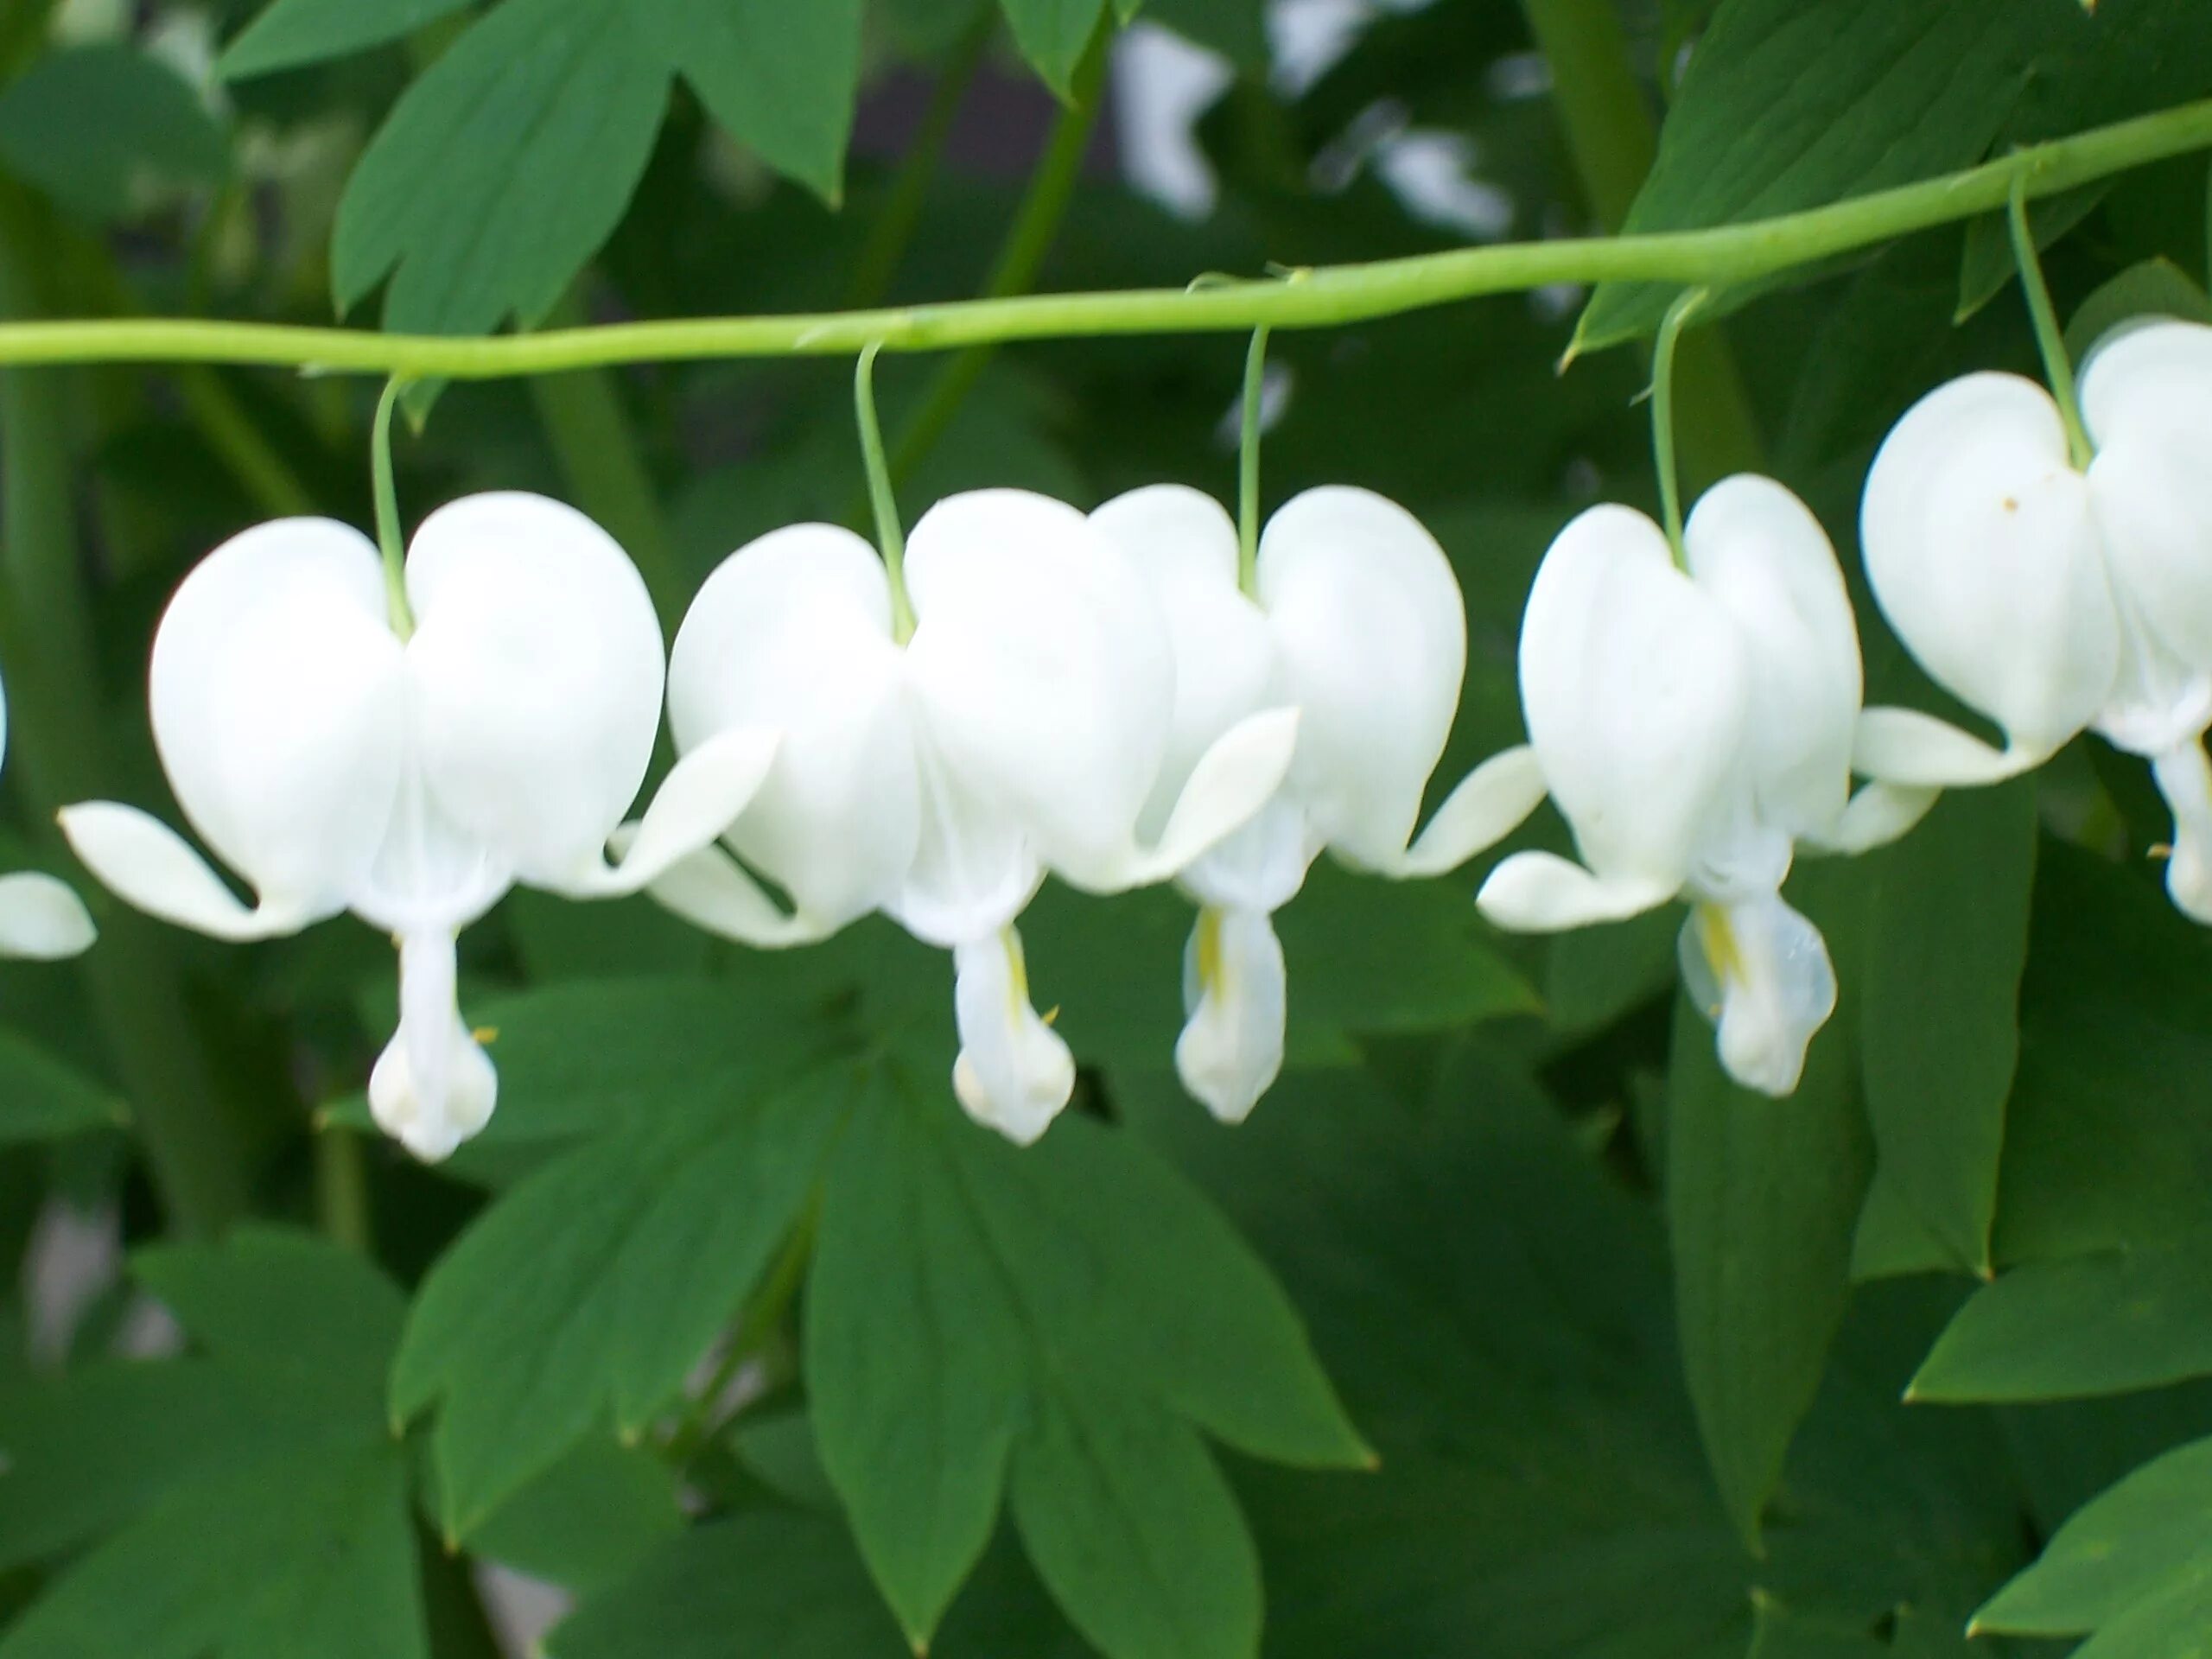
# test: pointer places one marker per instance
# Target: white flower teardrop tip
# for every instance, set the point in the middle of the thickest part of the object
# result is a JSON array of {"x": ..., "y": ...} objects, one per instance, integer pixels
[
  {"x": 1021, "y": 729},
  {"x": 1692, "y": 728},
  {"x": 336, "y": 767},
  {"x": 1359, "y": 627},
  {"x": 41, "y": 917},
  {"x": 2053, "y": 600}
]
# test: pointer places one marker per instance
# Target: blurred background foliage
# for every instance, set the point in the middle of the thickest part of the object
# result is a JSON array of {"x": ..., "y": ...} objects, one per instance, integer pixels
[{"x": 731, "y": 1336}]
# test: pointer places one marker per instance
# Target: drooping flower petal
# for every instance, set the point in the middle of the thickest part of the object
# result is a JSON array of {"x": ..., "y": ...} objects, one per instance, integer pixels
[
  {"x": 1760, "y": 971},
  {"x": 1542, "y": 893},
  {"x": 42, "y": 918},
  {"x": 278, "y": 706},
  {"x": 793, "y": 633},
  {"x": 1235, "y": 995},
  {"x": 433, "y": 1087},
  {"x": 1484, "y": 807},
  {"x": 710, "y": 889},
  {"x": 151, "y": 867},
  {"x": 1232, "y": 782},
  {"x": 1372, "y": 639},
  {"x": 535, "y": 674},
  {"x": 1877, "y": 815},
  {"x": 1044, "y": 672},
  {"x": 1903, "y": 745},
  {"x": 1013, "y": 1073},
  {"x": 1635, "y": 690},
  {"x": 1983, "y": 551},
  {"x": 1758, "y": 550},
  {"x": 702, "y": 796}
]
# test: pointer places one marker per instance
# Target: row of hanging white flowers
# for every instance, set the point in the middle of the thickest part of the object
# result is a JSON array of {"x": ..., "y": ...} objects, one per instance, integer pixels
[{"x": 1158, "y": 691}]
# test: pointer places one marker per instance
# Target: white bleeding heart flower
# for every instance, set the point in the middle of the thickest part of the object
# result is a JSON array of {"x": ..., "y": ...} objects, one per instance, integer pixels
[
  {"x": 1021, "y": 730},
  {"x": 2053, "y": 598},
  {"x": 1694, "y": 727},
  {"x": 1358, "y": 625},
  {"x": 338, "y": 766},
  {"x": 41, "y": 917}
]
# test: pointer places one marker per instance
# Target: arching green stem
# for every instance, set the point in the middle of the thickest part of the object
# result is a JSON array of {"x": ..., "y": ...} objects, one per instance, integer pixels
[
  {"x": 880, "y": 495},
  {"x": 2050, "y": 339},
  {"x": 1663, "y": 418},
  {"x": 391, "y": 542},
  {"x": 1248, "y": 465}
]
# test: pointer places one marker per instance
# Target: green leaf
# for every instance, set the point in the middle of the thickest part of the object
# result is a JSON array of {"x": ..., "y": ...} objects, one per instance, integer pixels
[
  {"x": 1947, "y": 943},
  {"x": 2092, "y": 1325},
  {"x": 42, "y": 1098},
  {"x": 1053, "y": 35},
  {"x": 2141, "y": 1540},
  {"x": 502, "y": 169},
  {"x": 101, "y": 128},
  {"x": 289, "y": 33},
  {"x": 1496, "y": 1308},
  {"x": 588, "y": 1520},
  {"x": 1988, "y": 267},
  {"x": 1133, "y": 1528},
  {"x": 974, "y": 1307},
  {"x": 786, "y": 1584},
  {"x": 1235, "y": 29},
  {"x": 591, "y": 1288},
  {"x": 2156, "y": 288},
  {"x": 2170, "y": 1627},
  {"x": 779, "y": 77},
  {"x": 2110, "y": 1128},
  {"x": 309, "y": 1554},
  {"x": 1786, "y": 105},
  {"x": 1762, "y": 1197}
]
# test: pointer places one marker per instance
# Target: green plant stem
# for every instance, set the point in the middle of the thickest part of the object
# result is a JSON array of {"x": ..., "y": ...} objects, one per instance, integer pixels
[
  {"x": 592, "y": 439},
  {"x": 199, "y": 1155},
  {"x": 699, "y": 1424},
  {"x": 342, "y": 1188},
  {"x": 391, "y": 535},
  {"x": 1028, "y": 239},
  {"x": 1662, "y": 420},
  {"x": 882, "y": 496},
  {"x": 2050, "y": 339},
  {"x": 1329, "y": 296},
  {"x": 1613, "y": 139},
  {"x": 893, "y": 232},
  {"x": 1247, "y": 466}
]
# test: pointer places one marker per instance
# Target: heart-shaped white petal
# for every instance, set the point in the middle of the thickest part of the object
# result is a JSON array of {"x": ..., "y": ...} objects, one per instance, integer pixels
[
  {"x": 1983, "y": 554},
  {"x": 1184, "y": 545},
  {"x": 1372, "y": 638},
  {"x": 1044, "y": 671},
  {"x": 793, "y": 633},
  {"x": 1635, "y": 688},
  {"x": 1757, "y": 550},
  {"x": 277, "y": 699},
  {"x": 42, "y": 918},
  {"x": 534, "y": 672},
  {"x": 1013, "y": 1073},
  {"x": 2146, "y": 396},
  {"x": 1237, "y": 997}
]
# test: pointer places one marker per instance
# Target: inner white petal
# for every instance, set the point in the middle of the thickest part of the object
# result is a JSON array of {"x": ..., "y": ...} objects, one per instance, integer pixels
[
  {"x": 974, "y": 867},
  {"x": 1761, "y": 972}
]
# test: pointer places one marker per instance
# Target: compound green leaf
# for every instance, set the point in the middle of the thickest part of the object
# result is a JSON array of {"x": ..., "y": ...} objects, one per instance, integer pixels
[
  {"x": 502, "y": 169},
  {"x": 1786, "y": 105},
  {"x": 591, "y": 1288},
  {"x": 2156, "y": 288},
  {"x": 2141, "y": 1539},
  {"x": 2101, "y": 1324},
  {"x": 973, "y": 1305},
  {"x": 43, "y": 1098},
  {"x": 289, "y": 33},
  {"x": 771, "y": 1585},
  {"x": 1947, "y": 943},
  {"x": 101, "y": 128},
  {"x": 588, "y": 1519},
  {"x": 779, "y": 77}
]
